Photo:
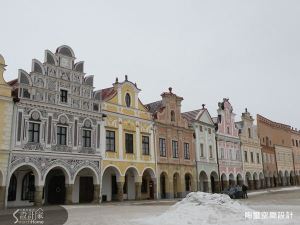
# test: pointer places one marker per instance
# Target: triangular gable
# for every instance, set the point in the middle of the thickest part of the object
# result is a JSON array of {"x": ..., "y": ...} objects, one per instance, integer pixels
[{"x": 205, "y": 117}]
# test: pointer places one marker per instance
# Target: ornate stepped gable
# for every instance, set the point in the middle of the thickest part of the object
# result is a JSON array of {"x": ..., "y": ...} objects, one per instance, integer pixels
[
  {"x": 58, "y": 73},
  {"x": 54, "y": 92}
]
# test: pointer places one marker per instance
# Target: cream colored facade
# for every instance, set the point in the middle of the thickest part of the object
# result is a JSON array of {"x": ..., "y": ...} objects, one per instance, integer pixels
[
  {"x": 127, "y": 175},
  {"x": 6, "y": 110},
  {"x": 285, "y": 166},
  {"x": 251, "y": 152}
]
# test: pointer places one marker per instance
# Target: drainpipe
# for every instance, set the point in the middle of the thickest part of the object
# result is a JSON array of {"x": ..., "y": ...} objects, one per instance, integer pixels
[
  {"x": 197, "y": 171},
  {"x": 155, "y": 159},
  {"x": 220, "y": 186}
]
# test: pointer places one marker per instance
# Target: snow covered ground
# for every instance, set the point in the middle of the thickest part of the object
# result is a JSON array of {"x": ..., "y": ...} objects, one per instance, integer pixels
[
  {"x": 198, "y": 208},
  {"x": 204, "y": 208}
]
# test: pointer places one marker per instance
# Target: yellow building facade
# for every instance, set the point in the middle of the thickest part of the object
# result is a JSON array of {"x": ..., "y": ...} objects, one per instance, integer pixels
[
  {"x": 6, "y": 110},
  {"x": 128, "y": 166}
]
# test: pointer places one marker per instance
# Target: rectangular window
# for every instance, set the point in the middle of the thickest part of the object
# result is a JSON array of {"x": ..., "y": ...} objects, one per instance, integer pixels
[
  {"x": 162, "y": 147},
  {"x": 252, "y": 157},
  {"x": 86, "y": 138},
  {"x": 63, "y": 96},
  {"x": 186, "y": 151},
  {"x": 129, "y": 143},
  {"x": 209, "y": 130},
  {"x": 210, "y": 152},
  {"x": 34, "y": 132},
  {"x": 19, "y": 126},
  {"x": 201, "y": 128},
  {"x": 222, "y": 153},
  {"x": 75, "y": 133},
  {"x": 49, "y": 129},
  {"x": 230, "y": 152},
  {"x": 110, "y": 140},
  {"x": 98, "y": 136},
  {"x": 246, "y": 156},
  {"x": 257, "y": 157},
  {"x": 145, "y": 145},
  {"x": 61, "y": 135},
  {"x": 175, "y": 149},
  {"x": 201, "y": 150}
]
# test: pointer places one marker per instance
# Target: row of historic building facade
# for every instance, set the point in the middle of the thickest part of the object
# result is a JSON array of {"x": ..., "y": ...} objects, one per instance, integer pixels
[{"x": 62, "y": 142}]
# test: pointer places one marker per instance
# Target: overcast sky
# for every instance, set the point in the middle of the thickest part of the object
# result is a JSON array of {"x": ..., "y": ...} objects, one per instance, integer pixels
[{"x": 248, "y": 51}]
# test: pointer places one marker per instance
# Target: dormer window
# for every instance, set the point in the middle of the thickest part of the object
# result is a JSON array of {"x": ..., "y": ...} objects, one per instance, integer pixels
[
  {"x": 172, "y": 116},
  {"x": 63, "y": 96},
  {"x": 128, "y": 100}
]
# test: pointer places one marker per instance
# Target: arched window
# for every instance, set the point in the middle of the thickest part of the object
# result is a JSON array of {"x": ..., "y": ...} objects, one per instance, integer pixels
[
  {"x": 187, "y": 183},
  {"x": 172, "y": 116},
  {"x": 12, "y": 190},
  {"x": 128, "y": 100},
  {"x": 28, "y": 187}
]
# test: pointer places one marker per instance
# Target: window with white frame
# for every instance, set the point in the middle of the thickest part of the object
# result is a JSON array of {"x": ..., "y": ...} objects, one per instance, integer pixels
[
  {"x": 186, "y": 151},
  {"x": 162, "y": 147},
  {"x": 61, "y": 135},
  {"x": 201, "y": 150}
]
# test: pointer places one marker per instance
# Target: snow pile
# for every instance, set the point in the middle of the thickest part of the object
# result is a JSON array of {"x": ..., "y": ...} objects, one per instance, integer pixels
[{"x": 205, "y": 208}]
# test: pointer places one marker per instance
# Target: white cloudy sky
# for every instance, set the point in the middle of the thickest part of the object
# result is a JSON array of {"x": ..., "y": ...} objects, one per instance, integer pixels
[{"x": 248, "y": 51}]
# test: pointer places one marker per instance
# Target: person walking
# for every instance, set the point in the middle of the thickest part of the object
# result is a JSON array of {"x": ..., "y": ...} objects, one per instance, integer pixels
[{"x": 244, "y": 189}]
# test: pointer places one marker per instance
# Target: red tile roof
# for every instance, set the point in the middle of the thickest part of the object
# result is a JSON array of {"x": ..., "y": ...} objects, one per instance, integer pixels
[
  {"x": 108, "y": 93},
  {"x": 192, "y": 115}
]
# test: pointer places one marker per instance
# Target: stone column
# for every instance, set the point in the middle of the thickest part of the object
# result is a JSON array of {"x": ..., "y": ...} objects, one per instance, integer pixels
[
  {"x": 120, "y": 190},
  {"x": 96, "y": 193},
  {"x": 209, "y": 187},
  {"x": 38, "y": 195},
  {"x": 205, "y": 186},
  {"x": 138, "y": 190},
  {"x": 2, "y": 197},
  {"x": 225, "y": 184},
  {"x": 69, "y": 194},
  {"x": 231, "y": 182},
  {"x": 154, "y": 188},
  {"x": 217, "y": 187},
  {"x": 267, "y": 182}
]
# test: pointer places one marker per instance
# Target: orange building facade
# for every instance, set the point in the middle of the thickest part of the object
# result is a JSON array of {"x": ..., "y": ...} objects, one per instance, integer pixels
[
  {"x": 277, "y": 152},
  {"x": 174, "y": 143}
]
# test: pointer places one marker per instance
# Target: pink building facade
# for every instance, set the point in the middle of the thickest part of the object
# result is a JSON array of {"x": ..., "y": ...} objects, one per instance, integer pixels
[{"x": 228, "y": 146}]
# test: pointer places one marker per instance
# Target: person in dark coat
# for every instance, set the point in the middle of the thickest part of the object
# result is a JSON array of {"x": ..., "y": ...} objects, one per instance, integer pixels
[{"x": 244, "y": 189}]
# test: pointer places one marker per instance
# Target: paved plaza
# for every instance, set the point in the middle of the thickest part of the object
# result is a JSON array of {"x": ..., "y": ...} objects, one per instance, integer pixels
[{"x": 128, "y": 212}]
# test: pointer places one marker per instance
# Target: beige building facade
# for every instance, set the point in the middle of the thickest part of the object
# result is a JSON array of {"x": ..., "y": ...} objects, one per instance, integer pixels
[
  {"x": 6, "y": 110},
  {"x": 251, "y": 152}
]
